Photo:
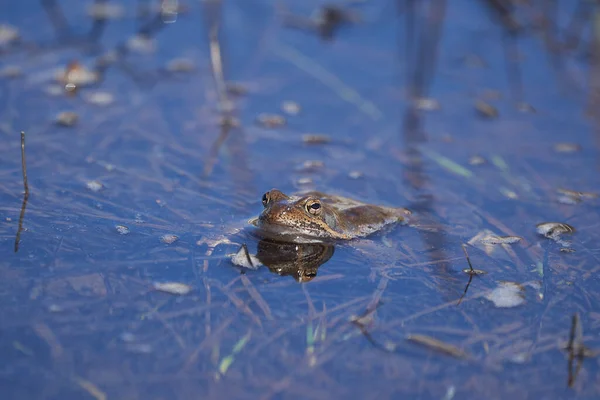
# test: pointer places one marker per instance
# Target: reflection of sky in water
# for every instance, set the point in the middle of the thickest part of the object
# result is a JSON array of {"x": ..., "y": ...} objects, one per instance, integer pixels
[{"x": 77, "y": 304}]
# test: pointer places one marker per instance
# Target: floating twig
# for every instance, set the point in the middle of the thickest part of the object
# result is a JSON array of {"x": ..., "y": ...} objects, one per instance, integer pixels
[
  {"x": 24, "y": 164},
  {"x": 25, "y": 193}
]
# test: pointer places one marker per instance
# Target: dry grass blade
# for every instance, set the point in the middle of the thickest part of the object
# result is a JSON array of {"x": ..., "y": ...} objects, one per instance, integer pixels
[
  {"x": 258, "y": 299},
  {"x": 437, "y": 345},
  {"x": 344, "y": 91},
  {"x": 91, "y": 388}
]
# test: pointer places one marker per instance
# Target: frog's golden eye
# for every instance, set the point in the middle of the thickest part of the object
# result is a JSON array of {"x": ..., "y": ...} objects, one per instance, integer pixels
[
  {"x": 313, "y": 207},
  {"x": 265, "y": 199}
]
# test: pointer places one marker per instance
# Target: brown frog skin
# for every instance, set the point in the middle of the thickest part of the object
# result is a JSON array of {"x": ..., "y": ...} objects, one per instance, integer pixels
[{"x": 315, "y": 217}]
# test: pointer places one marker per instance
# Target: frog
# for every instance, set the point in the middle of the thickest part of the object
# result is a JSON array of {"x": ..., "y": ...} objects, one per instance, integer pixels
[{"x": 314, "y": 217}]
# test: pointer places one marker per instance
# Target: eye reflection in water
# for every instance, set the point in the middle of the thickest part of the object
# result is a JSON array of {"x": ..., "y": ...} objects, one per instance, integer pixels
[{"x": 300, "y": 260}]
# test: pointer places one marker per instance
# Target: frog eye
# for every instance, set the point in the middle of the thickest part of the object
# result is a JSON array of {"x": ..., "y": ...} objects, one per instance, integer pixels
[
  {"x": 265, "y": 199},
  {"x": 313, "y": 207}
]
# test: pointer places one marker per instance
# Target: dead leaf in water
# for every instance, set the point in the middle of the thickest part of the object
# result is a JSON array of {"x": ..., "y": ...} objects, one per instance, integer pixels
[{"x": 553, "y": 229}]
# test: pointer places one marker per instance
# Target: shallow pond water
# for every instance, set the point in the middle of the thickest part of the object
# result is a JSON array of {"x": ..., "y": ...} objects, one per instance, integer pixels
[{"x": 148, "y": 187}]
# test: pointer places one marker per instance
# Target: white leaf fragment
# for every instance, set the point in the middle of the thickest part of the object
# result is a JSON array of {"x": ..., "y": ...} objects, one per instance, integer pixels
[
  {"x": 507, "y": 295},
  {"x": 245, "y": 260},
  {"x": 173, "y": 288}
]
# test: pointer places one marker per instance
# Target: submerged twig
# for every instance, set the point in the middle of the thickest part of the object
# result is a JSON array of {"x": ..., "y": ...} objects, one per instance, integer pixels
[
  {"x": 471, "y": 271},
  {"x": 575, "y": 349},
  {"x": 25, "y": 194}
]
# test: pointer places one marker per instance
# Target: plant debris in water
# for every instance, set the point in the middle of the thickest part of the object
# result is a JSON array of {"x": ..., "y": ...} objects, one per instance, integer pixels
[
  {"x": 94, "y": 186},
  {"x": 476, "y": 160},
  {"x": 8, "y": 35},
  {"x": 169, "y": 238},
  {"x": 11, "y": 71},
  {"x": 290, "y": 107},
  {"x": 100, "y": 98},
  {"x": 427, "y": 104},
  {"x": 76, "y": 75},
  {"x": 567, "y": 147},
  {"x": 507, "y": 295},
  {"x": 141, "y": 44},
  {"x": 244, "y": 259},
  {"x": 311, "y": 166},
  {"x": 554, "y": 230},
  {"x": 271, "y": 120},
  {"x": 176, "y": 288},
  {"x": 102, "y": 10},
  {"x": 122, "y": 229},
  {"x": 572, "y": 197},
  {"x": 314, "y": 138},
  {"x": 437, "y": 345},
  {"x": 67, "y": 118},
  {"x": 180, "y": 65},
  {"x": 493, "y": 239},
  {"x": 486, "y": 110}
]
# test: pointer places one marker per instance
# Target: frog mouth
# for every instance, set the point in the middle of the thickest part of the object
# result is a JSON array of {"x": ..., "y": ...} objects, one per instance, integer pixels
[{"x": 284, "y": 233}]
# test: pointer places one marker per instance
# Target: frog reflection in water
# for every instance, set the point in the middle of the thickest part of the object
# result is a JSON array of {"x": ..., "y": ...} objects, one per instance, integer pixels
[
  {"x": 301, "y": 261},
  {"x": 317, "y": 217}
]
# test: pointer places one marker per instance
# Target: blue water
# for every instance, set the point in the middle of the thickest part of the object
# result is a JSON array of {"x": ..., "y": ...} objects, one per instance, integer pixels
[{"x": 79, "y": 318}]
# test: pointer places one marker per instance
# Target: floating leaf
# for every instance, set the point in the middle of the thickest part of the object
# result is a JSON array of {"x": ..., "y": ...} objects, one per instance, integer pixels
[
  {"x": 553, "y": 229},
  {"x": 507, "y": 294},
  {"x": 493, "y": 239},
  {"x": 173, "y": 288},
  {"x": 244, "y": 259}
]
